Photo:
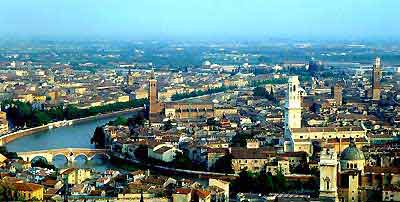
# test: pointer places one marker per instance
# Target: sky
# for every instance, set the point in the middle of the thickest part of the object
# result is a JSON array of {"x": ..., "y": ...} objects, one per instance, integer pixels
[{"x": 202, "y": 19}]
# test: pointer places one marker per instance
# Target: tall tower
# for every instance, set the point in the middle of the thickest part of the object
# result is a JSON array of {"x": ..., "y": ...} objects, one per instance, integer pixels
[
  {"x": 376, "y": 80},
  {"x": 153, "y": 98},
  {"x": 327, "y": 178},
  {"x": 338, "y": 94},
  {"x": 293, "y": 105}
]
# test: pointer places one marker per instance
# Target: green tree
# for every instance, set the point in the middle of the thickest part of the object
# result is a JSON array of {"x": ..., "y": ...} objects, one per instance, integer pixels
[
  {"x": 40, "y": 118},
  {"x": 182, "y": 161},
  {"x": 42, "y": 163},
  {"x": 141, "y": 152},
  {"x": 223, "y": 164},
  {"x": 281, "y": 182},
  {"x": 99, "y": 137}
]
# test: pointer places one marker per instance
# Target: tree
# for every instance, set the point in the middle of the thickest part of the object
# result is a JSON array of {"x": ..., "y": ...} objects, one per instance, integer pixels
[
  {"x": 119, "y": 121},
  {"x": 168, "y": 125},
  {"x": 40, "y": 118},
  {"x": 223, "y": 164},
  {"x": 42, "y": 163},
  {"x": 281, "y": 182},
  {"x": 182, "y": 161},
  {"x": 99, "y": 137},
  {"x": 141, "y": 152}
]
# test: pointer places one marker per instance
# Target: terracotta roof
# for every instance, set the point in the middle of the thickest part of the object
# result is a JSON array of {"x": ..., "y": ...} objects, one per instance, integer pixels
[
  {"x": 376, "y": 169},
  {"x": 68, "y": 171},
  {"x": 202, "y": 193},
  {"x": 27, "y": 186},
  {"x": 182, "y": 191},
  {"x": 257, "y": 153}
]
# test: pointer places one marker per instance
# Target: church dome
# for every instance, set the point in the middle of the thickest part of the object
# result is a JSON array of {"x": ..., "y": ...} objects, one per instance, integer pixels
[{"x": 352, "y": 153}]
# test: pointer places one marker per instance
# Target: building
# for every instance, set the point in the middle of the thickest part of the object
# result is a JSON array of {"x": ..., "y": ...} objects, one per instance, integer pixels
[
  {"x": 376, "y": 80},
  {"x": 338, "y": 94},
  {"x": 299, "y": 138},
  {"x": 155, "y": 106},
  {"x": 163, "y": 152},
  {"x": 29, "y": 191},
  {"x": 328, "y": 176},
  {"x": 188, "y": 110},
  {"x": 292, "y": 108},
  {"x": 76, "y": 176}
]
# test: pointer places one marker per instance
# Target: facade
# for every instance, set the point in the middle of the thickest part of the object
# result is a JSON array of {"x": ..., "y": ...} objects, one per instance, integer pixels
[
  {"x": 188, "y": 110},
  {"x": 76, "y": 176},
  {"x": 163, "y": 152},
  {"x": 328, "y": 176},
  {"x": 30, "y": 191},
  {"x": 376, "y": 80}
]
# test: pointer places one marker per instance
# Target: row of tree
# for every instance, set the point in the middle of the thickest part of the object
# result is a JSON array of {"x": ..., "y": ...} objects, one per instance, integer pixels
[
  {"x": 261, "y": 182},
  {"x": 23, "y": 114},
  {"x": 196, "y": 93}
]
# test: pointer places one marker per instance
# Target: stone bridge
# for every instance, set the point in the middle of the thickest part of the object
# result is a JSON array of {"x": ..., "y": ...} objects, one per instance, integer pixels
[{"x": 69, "y": 153}]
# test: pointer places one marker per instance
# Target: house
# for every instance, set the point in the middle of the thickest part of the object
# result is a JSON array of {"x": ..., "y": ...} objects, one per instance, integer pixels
[
  {"x": 182, "y": 195},
  {"x": 3, "y": 160},
  {"x": 76, "y": 176},
  {"x": 391, "y": 193},
  {"x": 29, "y": 191},
  {"x": 203, "y": 195},
  {"x": 102, "y": 181},
  {"x": 163, "y": 152}
]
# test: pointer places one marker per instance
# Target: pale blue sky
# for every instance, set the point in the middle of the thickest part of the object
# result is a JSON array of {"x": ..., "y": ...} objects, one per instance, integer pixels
[{"x": 202, "y": 19}]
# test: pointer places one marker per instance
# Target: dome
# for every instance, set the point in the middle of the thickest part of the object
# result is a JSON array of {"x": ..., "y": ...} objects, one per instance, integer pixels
[{"x": 352, "y": 153}]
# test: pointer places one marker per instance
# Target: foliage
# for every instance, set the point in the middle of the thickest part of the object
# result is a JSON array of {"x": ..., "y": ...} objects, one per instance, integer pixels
[
  {"x": 196, "y": 93},
  {"x": 182, "y": 161},
  {"x": 260, "y": 182},
  {"x": 42, "y": 163},
  {"x": 119, "y": 121},
  {"x": 268, "y": 81},
  {"x": 141, "y": 152},
  {"x": 99, "y": 137},
  {"x": 223, "y": 164},
  {"x": 240, "y": 139},
  {"x": 7, "y": 154},
  {"x": 21, "y": 113},
  {"x": 262, "y": 92}
]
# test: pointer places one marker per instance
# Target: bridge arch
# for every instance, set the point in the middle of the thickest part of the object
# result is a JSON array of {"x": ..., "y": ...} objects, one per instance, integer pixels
[
  {"x": 75, "y": 157},
  {"x": 58, "y": 156}
]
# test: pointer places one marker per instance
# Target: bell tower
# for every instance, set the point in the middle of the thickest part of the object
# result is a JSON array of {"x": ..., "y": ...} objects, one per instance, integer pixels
[
  {"x": 328, "y": 175},
  {"x": 293, "y": 105},
  {"x": 376, "y": 79}
]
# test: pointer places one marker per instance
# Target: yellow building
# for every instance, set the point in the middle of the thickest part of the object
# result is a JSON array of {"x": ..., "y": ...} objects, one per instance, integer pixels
[
  {"x": 29, "y": 191},
  {"x": 124, "y": 98},
  {"x": 76, "y": 176},
  {"x": 219, "y": 112},
  {"x": 182, "y": 195}
]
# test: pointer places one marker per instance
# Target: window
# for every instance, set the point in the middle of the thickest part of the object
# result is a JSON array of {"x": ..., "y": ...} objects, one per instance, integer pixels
[{"x": 301, "y": 137}]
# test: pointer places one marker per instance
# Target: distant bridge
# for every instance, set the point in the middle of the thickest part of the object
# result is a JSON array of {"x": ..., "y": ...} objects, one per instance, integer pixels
[{"x": 69, "y": 153}]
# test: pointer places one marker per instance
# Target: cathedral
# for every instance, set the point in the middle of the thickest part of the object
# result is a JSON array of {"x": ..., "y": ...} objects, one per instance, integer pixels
[
  {"x": 342, "y": 179},
  {"x": 298, "y": 138}
]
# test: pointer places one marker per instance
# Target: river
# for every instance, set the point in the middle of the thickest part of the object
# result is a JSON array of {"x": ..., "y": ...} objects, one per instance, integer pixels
[{"x": 75, "y": 136}]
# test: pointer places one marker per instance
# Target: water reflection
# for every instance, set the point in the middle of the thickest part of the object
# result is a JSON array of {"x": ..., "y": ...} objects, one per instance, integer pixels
[{"x": 98, "y": 162}]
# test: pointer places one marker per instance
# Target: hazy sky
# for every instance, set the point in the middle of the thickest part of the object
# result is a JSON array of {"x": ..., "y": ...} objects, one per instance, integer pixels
[{"x": 202, "y": 19}]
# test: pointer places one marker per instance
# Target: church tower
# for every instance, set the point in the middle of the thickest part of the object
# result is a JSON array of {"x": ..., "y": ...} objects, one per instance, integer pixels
[
  {"x": 293, "y": 105},
  {"x": 328, "y": 176},
  {"x": 153, "y": 98},
  {"x": 376, "y": 80}
]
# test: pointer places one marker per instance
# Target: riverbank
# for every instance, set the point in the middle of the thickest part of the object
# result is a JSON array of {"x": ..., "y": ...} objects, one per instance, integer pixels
[{"x": 31, "y": 131}]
